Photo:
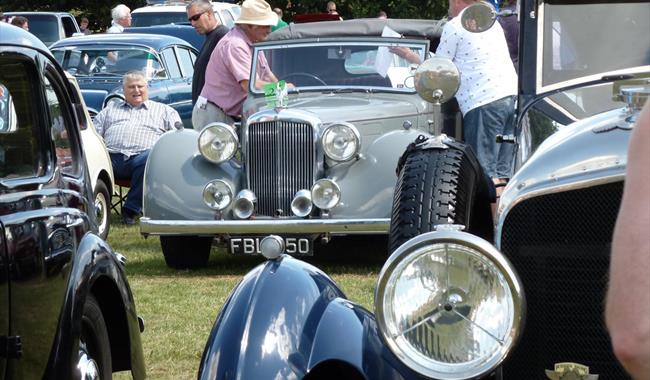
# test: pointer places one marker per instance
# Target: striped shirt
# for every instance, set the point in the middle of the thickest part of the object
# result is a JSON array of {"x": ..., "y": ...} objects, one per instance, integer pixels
[{"x": 131, "y": 130}]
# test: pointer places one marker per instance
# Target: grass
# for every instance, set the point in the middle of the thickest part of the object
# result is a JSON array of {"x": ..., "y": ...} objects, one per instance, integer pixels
[{"x": 179, "y": 307}]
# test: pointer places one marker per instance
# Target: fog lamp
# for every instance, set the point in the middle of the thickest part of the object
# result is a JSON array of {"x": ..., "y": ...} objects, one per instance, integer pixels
[
  {"x": 217, "y": 194},
  {"x": 325, "y": 194}
]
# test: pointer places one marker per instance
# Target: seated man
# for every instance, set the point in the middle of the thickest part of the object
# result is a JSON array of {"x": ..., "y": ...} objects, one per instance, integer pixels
[{"x": 130, "y": 129}]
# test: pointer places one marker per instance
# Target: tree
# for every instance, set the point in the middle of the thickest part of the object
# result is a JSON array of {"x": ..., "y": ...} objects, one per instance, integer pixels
[{"x": 433, "y": 9}]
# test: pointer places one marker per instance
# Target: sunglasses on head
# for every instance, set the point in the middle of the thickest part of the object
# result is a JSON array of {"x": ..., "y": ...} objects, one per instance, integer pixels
[{"x": 195, "y": 17}]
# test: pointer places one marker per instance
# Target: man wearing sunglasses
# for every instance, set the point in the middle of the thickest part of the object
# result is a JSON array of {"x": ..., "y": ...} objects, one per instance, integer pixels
[{"x": 201, "y": 15}]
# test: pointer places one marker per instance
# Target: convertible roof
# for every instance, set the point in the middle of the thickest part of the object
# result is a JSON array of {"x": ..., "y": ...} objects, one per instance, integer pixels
[{"x": 369, "y": 27}]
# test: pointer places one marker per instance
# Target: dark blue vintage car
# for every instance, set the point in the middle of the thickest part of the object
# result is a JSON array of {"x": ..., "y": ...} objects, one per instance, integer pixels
[
  {"x": 99, "y": 61},
  {"x": 66, "y": 309}
]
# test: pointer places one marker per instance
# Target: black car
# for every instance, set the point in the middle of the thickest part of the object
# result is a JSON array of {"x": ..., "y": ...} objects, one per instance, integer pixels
[{"x": 66, "y": 309}]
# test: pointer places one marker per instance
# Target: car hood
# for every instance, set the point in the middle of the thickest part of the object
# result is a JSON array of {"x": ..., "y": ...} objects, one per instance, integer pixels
[
  {"x": 351, "y": 107},
  {"x": 588, "y": 151}
]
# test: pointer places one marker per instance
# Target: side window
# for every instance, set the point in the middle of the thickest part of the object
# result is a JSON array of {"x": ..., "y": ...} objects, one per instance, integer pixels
[
  {"x": 186, "y": 60},
  {"x": 68, "y": 26},
  {"x": 61, "y": 123},
  {"x": 20, "y": 149},
  {"x": 172, "y": 65}
]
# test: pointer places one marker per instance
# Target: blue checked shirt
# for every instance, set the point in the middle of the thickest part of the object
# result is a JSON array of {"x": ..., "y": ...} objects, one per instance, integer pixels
[{"x": 132, "y": 130}]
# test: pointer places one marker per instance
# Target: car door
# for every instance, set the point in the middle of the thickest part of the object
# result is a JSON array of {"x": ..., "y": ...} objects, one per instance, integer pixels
[
  {"x": 4, "y": 304},
  {"x": 41, "y": 207}
]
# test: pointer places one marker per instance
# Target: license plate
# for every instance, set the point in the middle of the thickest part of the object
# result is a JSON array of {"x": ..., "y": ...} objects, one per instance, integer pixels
[{"x": 250, "y": 245}]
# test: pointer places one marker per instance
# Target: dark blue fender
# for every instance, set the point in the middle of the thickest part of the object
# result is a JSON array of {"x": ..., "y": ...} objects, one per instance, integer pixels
[
  {"x": 96, "y": 270},
  {"x": 288, "y": 320}
]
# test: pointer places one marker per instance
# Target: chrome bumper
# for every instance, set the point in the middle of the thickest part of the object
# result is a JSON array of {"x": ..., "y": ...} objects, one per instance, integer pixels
[{"x": 265, "y": 226}]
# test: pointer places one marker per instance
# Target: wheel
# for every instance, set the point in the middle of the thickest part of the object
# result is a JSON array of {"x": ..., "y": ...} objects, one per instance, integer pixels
[
  {"x": 305, "y": 75},
  {"x": 439, "y": 186},
  {"x": 97, "y": 65},
  {"x": 102, "y": 209},
  {"x": 94, "y": 355},
  {"x": 186, "y": 252}
]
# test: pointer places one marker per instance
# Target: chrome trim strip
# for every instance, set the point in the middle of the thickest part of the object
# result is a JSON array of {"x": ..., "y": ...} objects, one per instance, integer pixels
[{"x": 264, "y": 226}]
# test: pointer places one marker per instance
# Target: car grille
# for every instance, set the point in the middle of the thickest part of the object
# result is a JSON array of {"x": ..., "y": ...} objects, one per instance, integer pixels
[
  {"x": 280, "y": 162},
  {"x": 560, "y": 246}
]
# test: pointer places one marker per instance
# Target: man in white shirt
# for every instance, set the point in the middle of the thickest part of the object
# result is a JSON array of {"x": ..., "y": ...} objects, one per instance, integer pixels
[
  {"x": 488, "y": 86},
  {"x": 121, "y": 16}
]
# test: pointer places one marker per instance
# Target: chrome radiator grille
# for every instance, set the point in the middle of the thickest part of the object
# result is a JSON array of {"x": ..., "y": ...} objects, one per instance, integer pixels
[{"x": 280, "y": 162}]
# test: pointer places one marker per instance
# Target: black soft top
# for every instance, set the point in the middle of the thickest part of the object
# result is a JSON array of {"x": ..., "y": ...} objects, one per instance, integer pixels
[{"x": 369, "y": 27}]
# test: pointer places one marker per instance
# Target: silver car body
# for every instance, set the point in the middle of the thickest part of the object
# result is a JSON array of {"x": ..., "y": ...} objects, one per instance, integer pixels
[{"x": 386, "y": 112}]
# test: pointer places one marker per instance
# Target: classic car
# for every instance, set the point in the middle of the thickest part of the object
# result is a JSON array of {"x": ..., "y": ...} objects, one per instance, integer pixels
[
  {"x": 99, "y": 61},
  {"x": 49, "y": 27},
  {"x": 66, "y": 309},
  {"x": 184, "y": 31},
  {"x": 313, "y": 164},
  {"x": 525, "y": 303},
  {"x": 160, "y": 12}
]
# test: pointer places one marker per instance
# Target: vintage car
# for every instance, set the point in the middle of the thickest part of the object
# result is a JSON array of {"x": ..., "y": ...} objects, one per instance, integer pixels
[
  {"x": 161, "y": 12},
  {"x": 66, "y": 309},
  {"x": 526, "y": 303},
  {"x": 49, "y": 27},
  {"x": 99, "y": 61},
  {"x": 316, "y": 163},
  {"x": 183, "y": 31},
  {"x": 100, "y": 168}
]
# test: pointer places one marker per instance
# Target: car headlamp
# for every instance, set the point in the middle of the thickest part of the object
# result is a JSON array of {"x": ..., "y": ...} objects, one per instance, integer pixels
[
  {"x": 218, "y": 142},
  {"x": 449, "y": 305},
  {"x": 340, "y": 141},
  {"x": 217, "y": 194},
  {"x": 325, "y": 194}
]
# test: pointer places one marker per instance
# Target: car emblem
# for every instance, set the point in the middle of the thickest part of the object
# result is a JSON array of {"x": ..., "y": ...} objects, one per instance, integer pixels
[
  {"x": 608, "y": 128},
  {"x": 570, "y": 371}
]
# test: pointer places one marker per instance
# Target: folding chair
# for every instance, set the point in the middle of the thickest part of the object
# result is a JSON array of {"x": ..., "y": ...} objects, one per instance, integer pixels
[{"x": 119, "y": 194}]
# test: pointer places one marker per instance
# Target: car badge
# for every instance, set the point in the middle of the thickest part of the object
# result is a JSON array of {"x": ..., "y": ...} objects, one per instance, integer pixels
[
  {"x": 570, "y": 371},
  {"x": 611, "y": 127},
  {"x": 276, "y": 94}
]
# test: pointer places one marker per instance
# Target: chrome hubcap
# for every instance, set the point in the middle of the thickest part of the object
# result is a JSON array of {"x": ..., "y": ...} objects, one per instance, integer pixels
[
  {"x": 88, "y": 368},
  {"x": 100, "y": 209}
]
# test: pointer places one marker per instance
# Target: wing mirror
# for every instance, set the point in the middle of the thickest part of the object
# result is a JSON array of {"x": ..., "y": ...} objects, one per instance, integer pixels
[
  {"x": 436, "y": 81},
  {"x": 480, "y": 16}
]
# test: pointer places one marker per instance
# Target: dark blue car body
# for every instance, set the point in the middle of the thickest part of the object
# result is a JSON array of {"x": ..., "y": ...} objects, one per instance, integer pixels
[
  {"x": 183, "y": 31},
  {"x": 170, "y": 84}
]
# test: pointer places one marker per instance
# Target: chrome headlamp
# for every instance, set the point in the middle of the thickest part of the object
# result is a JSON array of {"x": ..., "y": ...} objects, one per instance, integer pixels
[
  {"x": 217, "y": 194},
  {"x": 341, "y": 141},
  {"x": 325, "y": 194},
  {"x": 449, "y": 305},
  {"x": 218, "y": 142}
]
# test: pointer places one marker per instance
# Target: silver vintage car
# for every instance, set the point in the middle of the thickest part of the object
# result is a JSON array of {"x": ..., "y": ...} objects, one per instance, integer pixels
[{"x": 311, "y": 164}]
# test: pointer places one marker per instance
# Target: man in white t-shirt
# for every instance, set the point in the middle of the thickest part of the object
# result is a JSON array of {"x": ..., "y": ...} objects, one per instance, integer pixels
[{"x": 488, "y": 86}]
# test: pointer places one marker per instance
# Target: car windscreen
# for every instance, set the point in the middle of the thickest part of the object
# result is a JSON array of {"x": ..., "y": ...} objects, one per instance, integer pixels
[
  {"x": 350, "y": 65},
  {"x": 107, "y": 60},
  {"x": 45, "y": 27},
  {"x": 157, "y": 18},
  {"x": 586, "y": 40}
]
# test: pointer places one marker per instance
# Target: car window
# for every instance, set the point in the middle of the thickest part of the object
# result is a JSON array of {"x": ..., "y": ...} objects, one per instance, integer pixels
[
  {"x": 45, "y": 27},
  {"x": 227, "y": 18},
  {"x": 61, "y": 123},
  {"x": 186, "y": 59},
  {"x": 173, "y": 69},
  {"x": 340, "y": 65},
  {"x": 108, "y": 61},
  {"x": 69, "y": 27},
  {"x": 19, "y": 136},
  {"x": 157, "y": 18}
]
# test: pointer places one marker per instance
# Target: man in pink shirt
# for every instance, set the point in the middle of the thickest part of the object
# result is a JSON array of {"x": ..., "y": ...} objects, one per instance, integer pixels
[{"x": 228, "y": 71}]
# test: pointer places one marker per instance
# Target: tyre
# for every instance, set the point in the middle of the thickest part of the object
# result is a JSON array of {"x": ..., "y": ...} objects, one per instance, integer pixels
[
  {"x": 94, "y": 355},
  {"x": 103, "y": 209},
  {"x": 186, "y": 252},
  {"x": 440, "y": 186}
]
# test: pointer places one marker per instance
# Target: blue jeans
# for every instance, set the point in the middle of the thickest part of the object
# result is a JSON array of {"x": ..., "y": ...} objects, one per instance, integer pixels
[
  {"x": 481, "y": 127},
  {"x": 133, "y": 169}
]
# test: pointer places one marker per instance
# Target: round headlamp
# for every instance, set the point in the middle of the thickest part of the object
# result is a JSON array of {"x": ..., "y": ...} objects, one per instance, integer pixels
[
  {"x": 218, "y": 142},
  {"x": 449, "y": 305},
  {"x": 325, "y": 194},
  {"x": 341, "y": 141},
  {"x": 217, "y": 194}
]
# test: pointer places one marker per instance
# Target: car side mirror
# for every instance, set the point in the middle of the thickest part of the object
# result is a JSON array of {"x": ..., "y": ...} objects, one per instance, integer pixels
[{"x": 480, "y": 16}]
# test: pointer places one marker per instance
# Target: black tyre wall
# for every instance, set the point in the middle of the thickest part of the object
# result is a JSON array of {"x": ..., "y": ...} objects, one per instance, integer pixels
[
  {"x": 440, "y": 186},
  {"x": 186, "y": 252}
]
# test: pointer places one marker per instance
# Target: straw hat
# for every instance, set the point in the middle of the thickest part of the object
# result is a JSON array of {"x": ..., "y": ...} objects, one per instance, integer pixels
[{"x": 257, "y": 12}]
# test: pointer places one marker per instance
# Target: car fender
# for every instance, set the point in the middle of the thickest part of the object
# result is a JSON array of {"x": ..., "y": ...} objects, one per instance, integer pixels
[
  {"x": 367, "y": 185},
  {"x": 96, "y": 270},
  {"x": 284, "y": 320},
  {"x": 176, "y": 175}
]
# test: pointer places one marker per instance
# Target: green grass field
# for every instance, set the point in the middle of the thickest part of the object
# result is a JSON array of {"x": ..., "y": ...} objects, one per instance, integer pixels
[{"x": 179, "y": 307}]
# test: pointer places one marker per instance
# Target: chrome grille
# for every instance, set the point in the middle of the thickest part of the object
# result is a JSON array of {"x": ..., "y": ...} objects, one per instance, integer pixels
[{"x": 280, "y": 162}]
